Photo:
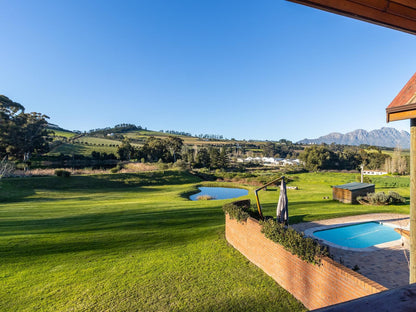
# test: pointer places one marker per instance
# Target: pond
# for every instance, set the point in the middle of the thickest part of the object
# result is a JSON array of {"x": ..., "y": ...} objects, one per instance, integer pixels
[{"x": 219, "y": 192}]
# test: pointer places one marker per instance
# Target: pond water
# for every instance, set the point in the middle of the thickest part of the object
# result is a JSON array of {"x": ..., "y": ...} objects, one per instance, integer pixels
[{"x": 219, "y": 192}]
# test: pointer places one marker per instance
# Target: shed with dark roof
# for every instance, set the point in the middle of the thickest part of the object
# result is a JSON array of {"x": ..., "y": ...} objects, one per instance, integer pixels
[{"x": 348, "y": 193}]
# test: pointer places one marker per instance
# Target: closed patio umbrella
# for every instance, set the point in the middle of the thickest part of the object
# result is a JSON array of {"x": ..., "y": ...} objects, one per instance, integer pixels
[{"x": 282, "y": 212}]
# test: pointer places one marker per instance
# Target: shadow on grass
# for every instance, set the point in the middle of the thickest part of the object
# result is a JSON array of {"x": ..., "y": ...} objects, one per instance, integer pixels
[
  {"x": 66, "y": 148},
  {"x": 93, "y": 194},
  {"x": 113, "y": 232},
  {"x": 18, "y": 189}
]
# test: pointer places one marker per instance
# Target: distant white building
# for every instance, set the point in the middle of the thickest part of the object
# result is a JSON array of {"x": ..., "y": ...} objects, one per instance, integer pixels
[
  {"x": 373, "y": 172},
  {"x": 270, "y": 161}
]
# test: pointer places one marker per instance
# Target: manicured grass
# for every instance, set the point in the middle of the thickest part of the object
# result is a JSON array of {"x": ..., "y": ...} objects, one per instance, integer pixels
[
  {"x": 123, "y": 242},
  {"x": 132, "y": 242},
  {"x": 308, "y": 203}
]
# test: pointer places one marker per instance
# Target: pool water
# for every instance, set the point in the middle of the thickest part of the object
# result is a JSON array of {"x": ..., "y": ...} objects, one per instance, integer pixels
[
  {"x": 219, "y": 192},
  {"x": 360, "y": 235}
]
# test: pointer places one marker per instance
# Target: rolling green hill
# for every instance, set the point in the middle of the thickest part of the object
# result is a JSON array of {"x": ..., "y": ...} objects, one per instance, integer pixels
[{"x": 70, "y": 143}]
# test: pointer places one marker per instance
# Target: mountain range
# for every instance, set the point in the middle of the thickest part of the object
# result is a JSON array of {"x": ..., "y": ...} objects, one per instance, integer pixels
[{"x": 387, "y": 137}]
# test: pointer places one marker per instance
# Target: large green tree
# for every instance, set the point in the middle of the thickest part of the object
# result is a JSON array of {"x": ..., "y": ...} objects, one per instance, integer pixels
[
  {"x": 8, "y": 111},
  {"x": 155, "y": 149},
  {"x": 317, "y": 157},
  {"x": 125, "y": 150},
  {"x": 202, "y": 159},
  {"x": 21, "y": 134},
  {"x": 174, "y": 145}
]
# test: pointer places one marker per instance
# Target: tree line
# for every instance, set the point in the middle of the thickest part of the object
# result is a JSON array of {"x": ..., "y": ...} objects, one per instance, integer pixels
[
  {"x": 120, "y": 128},
  {"x": 25, "y": 134},
  {"x": 171, "y": 150},
  {"x": 21, "y": 134},
  {"x": 339, "y": 157}
]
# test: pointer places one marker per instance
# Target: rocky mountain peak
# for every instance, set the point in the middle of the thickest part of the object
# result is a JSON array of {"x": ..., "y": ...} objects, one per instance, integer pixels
[{"x": 387, "y": 137}]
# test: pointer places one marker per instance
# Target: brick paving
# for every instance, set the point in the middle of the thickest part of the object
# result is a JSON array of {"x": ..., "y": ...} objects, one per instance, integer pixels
[{"x": 387, "y": 266}]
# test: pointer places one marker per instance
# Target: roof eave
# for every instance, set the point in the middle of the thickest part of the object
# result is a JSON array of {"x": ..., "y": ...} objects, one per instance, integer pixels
[{"x": 402, "y": 18}]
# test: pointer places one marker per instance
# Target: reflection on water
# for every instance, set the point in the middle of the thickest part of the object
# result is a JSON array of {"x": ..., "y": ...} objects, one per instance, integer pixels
[{"x": 219, "y": 192}]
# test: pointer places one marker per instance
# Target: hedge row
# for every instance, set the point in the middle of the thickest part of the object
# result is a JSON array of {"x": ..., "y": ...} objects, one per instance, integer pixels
[{"x": 297, "y": 243}]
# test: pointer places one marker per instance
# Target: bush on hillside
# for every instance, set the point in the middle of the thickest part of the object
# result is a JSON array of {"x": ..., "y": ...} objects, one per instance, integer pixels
[
  {"x": 117, "y": 168},
  {"x": 180, "y": 164}
]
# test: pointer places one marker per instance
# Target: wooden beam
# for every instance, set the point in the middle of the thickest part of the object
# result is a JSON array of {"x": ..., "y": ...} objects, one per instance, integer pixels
[
  {"x": 409, "y": 3},
  {"x": 392, "y": 14},
  {"x": 401, "y": 115},
  {"x": 412, "y": 268}
]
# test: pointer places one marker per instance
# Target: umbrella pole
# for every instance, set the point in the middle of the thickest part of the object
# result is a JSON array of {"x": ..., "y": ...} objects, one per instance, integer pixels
[
  {"x": 257, "y": 195},
  {"x": 258, "y": 205}
]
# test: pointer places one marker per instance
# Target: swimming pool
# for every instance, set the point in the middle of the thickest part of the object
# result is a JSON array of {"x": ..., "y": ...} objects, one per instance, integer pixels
[{"x": 359, "y": 235}]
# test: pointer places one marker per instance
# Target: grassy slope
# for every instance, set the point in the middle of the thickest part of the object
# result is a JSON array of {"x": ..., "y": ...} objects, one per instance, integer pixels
[
  {"x": 188, "y": 140},
  {"x": 62, "y": 133},
  {"x": 142, "y": 135},
  {"x": 94, "y": 140},
  {"x": 81, "y": 149},
  {"x": 131, "y": 242},
  {"x": 122, "y": 243}
]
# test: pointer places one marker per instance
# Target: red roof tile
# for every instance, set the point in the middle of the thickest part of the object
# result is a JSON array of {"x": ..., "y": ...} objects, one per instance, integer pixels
[{"x": 404, "y": 101}]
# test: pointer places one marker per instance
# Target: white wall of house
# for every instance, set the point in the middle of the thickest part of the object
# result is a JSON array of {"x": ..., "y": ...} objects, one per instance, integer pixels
[{"x": 373, "y": 172}]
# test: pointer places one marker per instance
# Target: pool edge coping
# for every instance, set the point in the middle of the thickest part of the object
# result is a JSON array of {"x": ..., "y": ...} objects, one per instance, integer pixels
[{"x": 396, "y": 243}]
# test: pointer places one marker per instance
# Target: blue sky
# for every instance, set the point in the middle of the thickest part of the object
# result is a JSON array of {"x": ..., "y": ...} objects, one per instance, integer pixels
[{"x": 267, "y": 69}]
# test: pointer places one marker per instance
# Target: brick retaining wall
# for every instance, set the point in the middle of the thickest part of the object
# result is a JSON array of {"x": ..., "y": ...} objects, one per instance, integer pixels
[{"x": 316, "y": 286}]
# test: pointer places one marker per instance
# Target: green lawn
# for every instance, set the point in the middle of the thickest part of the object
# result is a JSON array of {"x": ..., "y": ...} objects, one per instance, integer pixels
[
  {"x": 97, "y": 141},
  {"x": 308, "y": 203},
  {"x": 62, "y": 133},
  {"x": 123, "y": 242},
  {"x": 131, "y": 242},
  {"x": 81, "y": 149}
]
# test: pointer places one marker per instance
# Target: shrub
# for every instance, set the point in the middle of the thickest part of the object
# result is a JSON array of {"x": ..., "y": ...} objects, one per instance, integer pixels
[
  {"x": 381, "y": 198},
  {"x": 117, "y": 168},
  {"x": 240, "y": 213},
  {"x": 395, "y": 198},
  {"x": 180, "y": 164},
  {"x": 305, "y": 248},
  {"x": 62, "y": 173}
]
